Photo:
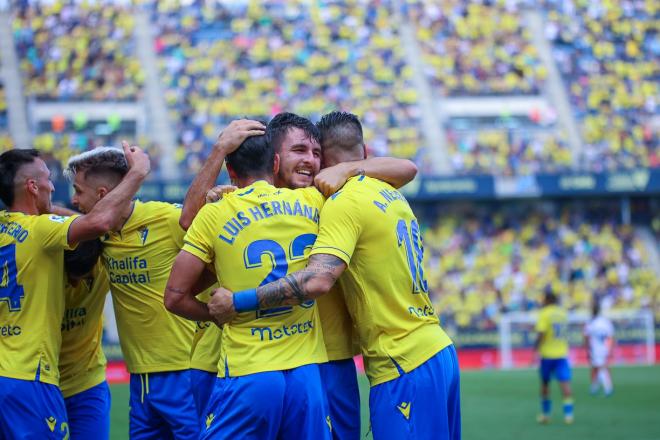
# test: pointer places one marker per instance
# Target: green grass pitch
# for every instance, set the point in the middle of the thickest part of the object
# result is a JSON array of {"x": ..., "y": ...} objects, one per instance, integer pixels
[{"x": 502, "y": 405}]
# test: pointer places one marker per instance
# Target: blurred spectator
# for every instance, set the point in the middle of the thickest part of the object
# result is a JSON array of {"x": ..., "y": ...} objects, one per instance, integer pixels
[
  {"x": 72, "y": 50},
  {"x": 608, "y": 52}
]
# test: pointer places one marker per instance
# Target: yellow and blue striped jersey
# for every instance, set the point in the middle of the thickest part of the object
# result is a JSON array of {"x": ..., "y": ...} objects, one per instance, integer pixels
[
  {"x": 370, "y": 226},
  {"x": 552, "y": 324},
  {"x": 206, "y": 343},
  {"x": 254, "y": 236},
  {"x": 139, "y": 260},
  {"x": 82, "y": 362},
  {"x": 31, "y": 294},
  {"x": 337, "y": 325}
]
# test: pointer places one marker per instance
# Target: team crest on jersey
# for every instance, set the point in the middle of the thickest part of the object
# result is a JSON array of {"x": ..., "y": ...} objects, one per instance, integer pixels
[
  {"x": 144, "y": 233},
  {"x": 209, "y": 420},
  {"x": 51, "y": 421},
  {"x": 57, "y": 218},
  {"x": 328, "y": 422},
  {"x": 404, "y": 408}
]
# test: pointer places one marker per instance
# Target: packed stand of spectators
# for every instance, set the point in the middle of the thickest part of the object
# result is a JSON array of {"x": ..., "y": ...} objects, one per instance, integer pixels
[
  {"x": 72, "y": 50},
  {"x": 506, "y": 146},
  {"x": 482, "y": 264},
  {"x": 608, "y": 52},
  {"x": 477, "y": 47},
  {"x": 222, "y": 60},
  {"x": 5, "y": 140}
]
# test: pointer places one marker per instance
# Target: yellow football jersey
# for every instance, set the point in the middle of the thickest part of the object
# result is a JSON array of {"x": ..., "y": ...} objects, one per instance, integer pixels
[
  {"x": 206, "y": 343},
  {"x": 31, "y": 294},
  {"x": 139, "y": 260},
  {"x": 370, "y": 226},
  {"x": 82, "y": 362},
  {"x": 337, "y": 326},
  {"x": 552, "y": 324},
  {"x": 254, "y": 236}
]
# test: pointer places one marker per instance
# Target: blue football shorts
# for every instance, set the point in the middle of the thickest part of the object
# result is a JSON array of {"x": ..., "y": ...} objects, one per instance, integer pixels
[
  {"x": 341, "y": 387},
  {"x": 202, "y": 386},
  {"x": 559, "y": 368},
  {"x": 162, "y": 406},
  {"x": 31, "y": 410},
  {"x": 287, "y": 404},
  {"x": 421, "y": 404},
  {"x": 89, "y": 413}
]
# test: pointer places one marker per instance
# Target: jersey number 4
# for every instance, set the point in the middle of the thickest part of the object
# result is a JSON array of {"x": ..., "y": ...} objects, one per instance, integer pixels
[
  {"x": 255, "y": 251},
  {"x": 10, "y": 291},
  {"x": 412, "y": 243}
]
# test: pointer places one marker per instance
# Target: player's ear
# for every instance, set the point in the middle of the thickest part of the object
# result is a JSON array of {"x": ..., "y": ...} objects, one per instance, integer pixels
[
  {"x": 232, "y": 174},
  {"x": 101, "y": 192},
  {"x": 364, "y": 151},
  {"x": 276, "y": 164},
  {"x": 31, "y": 187}
]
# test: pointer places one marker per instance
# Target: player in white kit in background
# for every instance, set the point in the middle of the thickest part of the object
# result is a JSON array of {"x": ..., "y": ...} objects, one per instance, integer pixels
[{"x": 599, "y": 339}]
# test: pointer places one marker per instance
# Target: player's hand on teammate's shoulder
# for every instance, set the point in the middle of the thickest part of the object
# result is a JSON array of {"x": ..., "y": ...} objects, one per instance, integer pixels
[
  {"x": 217, "y": 192},
  {"x": 330, "y": 180},
  {"x": 236, "y": 132},
  {"x": 137, "y": 159},
  {"x": 221, "y": 306}
]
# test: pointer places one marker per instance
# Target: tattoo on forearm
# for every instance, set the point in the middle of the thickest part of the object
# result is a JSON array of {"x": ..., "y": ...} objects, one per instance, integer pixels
[{"x": 301, "y": 286}]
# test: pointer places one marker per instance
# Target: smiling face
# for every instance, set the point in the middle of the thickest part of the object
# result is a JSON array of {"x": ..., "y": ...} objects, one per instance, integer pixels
[{"x": 300, "y": 160}]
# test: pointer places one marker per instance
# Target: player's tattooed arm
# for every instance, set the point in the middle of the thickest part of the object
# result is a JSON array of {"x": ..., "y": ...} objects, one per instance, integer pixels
[
  {"x": 316, "y": 279},
  {"x": 313, "y": 281}
]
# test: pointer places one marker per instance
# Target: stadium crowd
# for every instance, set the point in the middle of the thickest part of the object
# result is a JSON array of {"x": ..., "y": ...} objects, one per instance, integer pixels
[
  {"x": 608, "y": 54},
  {"x": 304, "y": 57},
  {"x": 5, "y": 140},
  {"x": 77, "y": 51},
  {"x": 505, "y": 146},
  {"x": 477, "y": 48},
  {"x": 487, "y": 262}
]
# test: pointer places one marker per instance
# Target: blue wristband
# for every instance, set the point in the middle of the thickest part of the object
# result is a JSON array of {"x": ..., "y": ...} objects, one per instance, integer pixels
[{"x": 246, "y": 300}]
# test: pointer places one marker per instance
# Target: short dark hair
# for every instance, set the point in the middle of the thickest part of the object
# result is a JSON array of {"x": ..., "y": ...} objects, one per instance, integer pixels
[
  {"x": 101, "y": 161},
  {"x": 254, "y": 157},
  {"x": 80, "y": 261},
  {"x": 278, "y": 127},
  {"x": 550, "y": 297},
  {"x": 10, "y": 162},
  {"x": 340, "y": 130}
]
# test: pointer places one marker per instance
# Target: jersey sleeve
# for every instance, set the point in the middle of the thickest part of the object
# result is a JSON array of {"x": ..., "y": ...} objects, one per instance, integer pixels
[
  {"x": 52, "y": 231},
  {"x": 199, "y": 238},
  {"x": 339, "y": 227}
]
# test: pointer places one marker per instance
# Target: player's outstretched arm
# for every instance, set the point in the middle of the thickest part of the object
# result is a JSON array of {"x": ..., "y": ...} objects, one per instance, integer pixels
[
  {"x": 228, "y": 141},
  {"x": 108, "y": 213},
  {"x": 187, "y": 280},
  {"x": 316, "y": 279},
  {"x": 396, "y": 172}
]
